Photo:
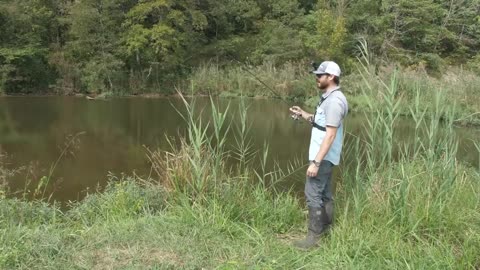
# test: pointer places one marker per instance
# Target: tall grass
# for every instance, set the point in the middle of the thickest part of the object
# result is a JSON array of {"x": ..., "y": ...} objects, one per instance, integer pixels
[
  {"x": 418, "y": 198},
  {"x": 459, "y": 91},
  {"x": 399, "y": 206},
  {"x": 196, "y": 173},
  {"x": 289, "y": 80},
  {"x": 458, "y": 87}
]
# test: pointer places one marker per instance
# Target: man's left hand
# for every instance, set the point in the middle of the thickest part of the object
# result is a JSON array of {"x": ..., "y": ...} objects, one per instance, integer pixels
[{"x": 312, "y": 170}]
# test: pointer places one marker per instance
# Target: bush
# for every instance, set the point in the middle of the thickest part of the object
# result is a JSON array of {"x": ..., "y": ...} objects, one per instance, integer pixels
[
  {"x": 34, "y": 213},
  {"x": 121, "y": 199}
]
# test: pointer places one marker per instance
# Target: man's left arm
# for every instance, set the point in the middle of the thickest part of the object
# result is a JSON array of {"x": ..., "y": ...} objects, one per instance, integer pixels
[
  {"x": 326, "y": 143},
  {"x": 324, "y": 147}
]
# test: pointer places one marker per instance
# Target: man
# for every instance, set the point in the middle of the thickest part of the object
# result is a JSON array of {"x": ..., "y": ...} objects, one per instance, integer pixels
[{"x": 324, "y": 152}]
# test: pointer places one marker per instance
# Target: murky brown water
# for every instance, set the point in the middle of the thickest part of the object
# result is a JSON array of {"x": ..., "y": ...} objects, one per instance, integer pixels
[{"x": 113, "y": 133}]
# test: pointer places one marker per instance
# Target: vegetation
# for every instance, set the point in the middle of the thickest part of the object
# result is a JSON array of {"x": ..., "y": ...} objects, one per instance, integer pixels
[
  {"x": 131, "y": 46},
  {"x": 293, "y": 82},
  {"x": 398, "y": 206}
]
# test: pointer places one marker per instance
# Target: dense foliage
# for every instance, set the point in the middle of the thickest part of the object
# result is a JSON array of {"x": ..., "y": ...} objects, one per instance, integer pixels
[{"x": 139, "y": 45}]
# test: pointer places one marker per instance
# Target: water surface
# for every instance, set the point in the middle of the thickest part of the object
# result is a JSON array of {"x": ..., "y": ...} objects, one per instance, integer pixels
[{"x": 113, "y": 135}]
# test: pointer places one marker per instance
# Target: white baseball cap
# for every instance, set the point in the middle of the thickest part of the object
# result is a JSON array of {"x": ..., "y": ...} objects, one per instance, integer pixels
[{"x": 328, "y": 67}]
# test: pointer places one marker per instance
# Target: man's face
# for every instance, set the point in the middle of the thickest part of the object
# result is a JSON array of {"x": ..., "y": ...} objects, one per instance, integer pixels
[{"x": 323, "y": 81}]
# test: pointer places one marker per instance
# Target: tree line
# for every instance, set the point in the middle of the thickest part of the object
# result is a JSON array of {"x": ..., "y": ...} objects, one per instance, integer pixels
[{"x": 70, "y": 46}]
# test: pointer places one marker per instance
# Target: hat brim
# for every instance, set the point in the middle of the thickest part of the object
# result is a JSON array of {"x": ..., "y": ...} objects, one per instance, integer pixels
[{"x": 318, "y": 72}]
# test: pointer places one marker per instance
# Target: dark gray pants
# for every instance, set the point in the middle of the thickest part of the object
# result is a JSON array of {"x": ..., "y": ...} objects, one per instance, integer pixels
[{"x": 318, "y": 189}]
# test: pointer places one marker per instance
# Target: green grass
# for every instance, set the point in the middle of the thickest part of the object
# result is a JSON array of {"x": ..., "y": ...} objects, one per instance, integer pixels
[
  {"x": 397, "y": 207},
  {"x": 291, "y": 81},
  {"x": 136, "y": 227}
]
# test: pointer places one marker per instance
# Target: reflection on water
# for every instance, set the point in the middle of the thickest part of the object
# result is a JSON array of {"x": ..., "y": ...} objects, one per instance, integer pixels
[{"x": 35, "y": 130}]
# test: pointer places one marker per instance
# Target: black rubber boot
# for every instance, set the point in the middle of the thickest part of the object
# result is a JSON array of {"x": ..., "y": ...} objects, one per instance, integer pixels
[
  {"x": 316, "y": 218},
  {"x": 329, "y": 210}
]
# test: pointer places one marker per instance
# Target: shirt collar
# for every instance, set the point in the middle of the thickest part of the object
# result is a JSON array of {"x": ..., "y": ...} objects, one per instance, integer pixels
[{"x": 325, "y": 95}]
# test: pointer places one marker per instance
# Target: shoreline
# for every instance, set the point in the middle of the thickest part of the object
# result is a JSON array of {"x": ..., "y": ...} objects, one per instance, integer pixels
[{"x": 229, "y": 95}]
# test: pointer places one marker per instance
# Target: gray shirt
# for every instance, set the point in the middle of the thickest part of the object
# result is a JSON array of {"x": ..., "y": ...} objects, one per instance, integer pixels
[
  {"x": 335, "y": 107},
  {"x": 330, "y": 113}
]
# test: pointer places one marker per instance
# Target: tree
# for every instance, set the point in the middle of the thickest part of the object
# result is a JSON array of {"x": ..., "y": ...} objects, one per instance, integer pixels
[
  {"x": 325, "y": 33},
  {"x": 94, "y": 42},
  {"x": 25, "y": 29},
  {"x": 461, "y": 37},
  {"x": 162, "y": 33}
]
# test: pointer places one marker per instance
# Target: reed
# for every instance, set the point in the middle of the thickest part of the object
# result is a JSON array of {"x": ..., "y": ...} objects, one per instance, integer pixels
[
  {"x": 411, "y": 195},
  {"x": 290, "y": 80},
  {"x": 458, "y": 87}
]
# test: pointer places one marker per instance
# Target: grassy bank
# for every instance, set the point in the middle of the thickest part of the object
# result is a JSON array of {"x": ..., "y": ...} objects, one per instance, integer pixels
[
  {"x": 397, "y": 207},
  {"x": 292, "y": 81}
]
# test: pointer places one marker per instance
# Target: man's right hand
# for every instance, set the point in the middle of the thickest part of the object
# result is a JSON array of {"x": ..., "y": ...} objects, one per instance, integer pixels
[{"x": 297, "y": 111}]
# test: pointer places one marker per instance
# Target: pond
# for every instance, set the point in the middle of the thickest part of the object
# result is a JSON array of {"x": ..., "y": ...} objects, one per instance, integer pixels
[{"x": 112, "y": 136}]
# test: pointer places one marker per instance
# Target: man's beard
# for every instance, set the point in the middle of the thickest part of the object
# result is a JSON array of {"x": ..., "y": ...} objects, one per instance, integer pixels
[{"x": 322, "y": 86}]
